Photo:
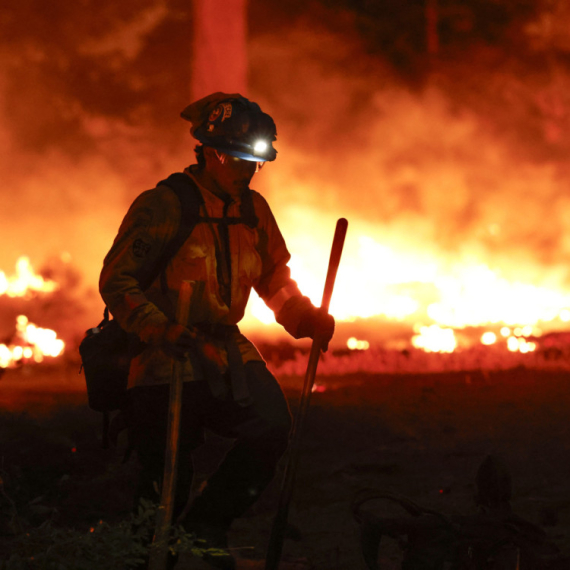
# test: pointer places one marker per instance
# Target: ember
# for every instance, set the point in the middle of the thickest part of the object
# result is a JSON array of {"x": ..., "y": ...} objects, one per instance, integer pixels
[
  {"x": 354, "y": 344},
  {"x": 518, "y": 343},
  {"x": 488, "y": 338},
  {"x": 435, "y": 339}
]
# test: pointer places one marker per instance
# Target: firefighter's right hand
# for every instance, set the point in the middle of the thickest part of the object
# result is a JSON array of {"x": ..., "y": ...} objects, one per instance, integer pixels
[{"x": 177, "y": 340}]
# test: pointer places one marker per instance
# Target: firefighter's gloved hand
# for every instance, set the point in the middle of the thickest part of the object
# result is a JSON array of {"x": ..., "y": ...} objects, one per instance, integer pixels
[
  {"x": 316, "y": 323},
  {"x": 211, "y": 352},
  {"x": 177, "y": 340}
]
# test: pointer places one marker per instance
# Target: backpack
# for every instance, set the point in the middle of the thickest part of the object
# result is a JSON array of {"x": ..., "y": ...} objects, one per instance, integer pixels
[{"x": 107, "y": 350}]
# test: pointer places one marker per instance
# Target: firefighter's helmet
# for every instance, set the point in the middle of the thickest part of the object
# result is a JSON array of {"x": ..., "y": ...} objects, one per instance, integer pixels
[{"x": 234, "y": 125}]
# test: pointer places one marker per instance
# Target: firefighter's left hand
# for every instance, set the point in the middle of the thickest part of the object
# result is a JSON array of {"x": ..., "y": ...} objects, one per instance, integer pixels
[{"x": 317, "y": 324}]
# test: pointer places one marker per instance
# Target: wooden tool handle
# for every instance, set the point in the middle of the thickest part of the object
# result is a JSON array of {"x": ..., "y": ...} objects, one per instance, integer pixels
[
  {"x": 159, "y": 552},
  {"x": 280, "y": 522}
]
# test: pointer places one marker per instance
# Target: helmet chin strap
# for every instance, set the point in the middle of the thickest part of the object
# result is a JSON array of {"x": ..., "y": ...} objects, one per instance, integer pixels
[{"x": 221, "y": 157}]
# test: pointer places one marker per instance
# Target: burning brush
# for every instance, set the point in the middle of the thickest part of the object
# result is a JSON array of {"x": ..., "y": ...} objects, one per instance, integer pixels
[
  {"x": 27, "y": 343},
  {"x": 30, "y": 343}
]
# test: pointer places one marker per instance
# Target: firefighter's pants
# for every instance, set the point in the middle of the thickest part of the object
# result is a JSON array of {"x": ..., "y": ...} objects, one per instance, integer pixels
[{"x": 260, "y": 430}]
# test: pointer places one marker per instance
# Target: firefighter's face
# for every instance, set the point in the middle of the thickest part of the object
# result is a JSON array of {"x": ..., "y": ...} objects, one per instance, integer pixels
[{"x": 231, "y": 174}]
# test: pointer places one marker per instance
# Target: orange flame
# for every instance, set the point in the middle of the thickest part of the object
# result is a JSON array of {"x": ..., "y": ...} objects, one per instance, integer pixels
[
  {"x": 25, "y": 281},
  {"x": 434, "y": 294},
  {"x": 32, "y": 344},
  {"x": 435, "y": 339}
]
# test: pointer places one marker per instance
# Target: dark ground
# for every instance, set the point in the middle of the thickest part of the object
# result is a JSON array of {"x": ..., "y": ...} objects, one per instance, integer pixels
[{"x": 422, "y": 436}]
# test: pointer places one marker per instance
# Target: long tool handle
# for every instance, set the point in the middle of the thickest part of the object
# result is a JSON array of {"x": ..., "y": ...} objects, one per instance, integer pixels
[
  {"x": 280, "y": 522},
  {"x": 159, "y": 551}
]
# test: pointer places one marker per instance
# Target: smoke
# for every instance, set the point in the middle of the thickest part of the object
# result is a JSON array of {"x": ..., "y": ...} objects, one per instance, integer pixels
[
  {"x": 464, "y": 165},
  {"x": 468, "y": 167},
  {"x": 82, "y": 128},
  {"x": 125, "y": 40}
]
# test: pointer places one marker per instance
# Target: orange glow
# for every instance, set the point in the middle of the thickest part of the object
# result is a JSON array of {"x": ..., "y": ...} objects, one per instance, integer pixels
[
  {"x": 31, "y": 344},
  {"x": 402, "y": 284},
  {"x": 456, "y": 197},
  {"x": 25, "y": 281}
]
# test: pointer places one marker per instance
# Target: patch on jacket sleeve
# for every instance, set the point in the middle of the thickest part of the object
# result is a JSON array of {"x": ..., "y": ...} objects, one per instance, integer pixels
[{"x": 140, "y": 248}]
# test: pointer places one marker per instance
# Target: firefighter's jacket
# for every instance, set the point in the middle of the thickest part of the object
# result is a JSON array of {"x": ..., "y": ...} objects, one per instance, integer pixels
[{"x": 220, "y": 280}]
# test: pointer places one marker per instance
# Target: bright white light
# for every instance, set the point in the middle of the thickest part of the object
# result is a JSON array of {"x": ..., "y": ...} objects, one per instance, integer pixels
[
  {"x": 435, "y": 339},
  {"x": 260, "y": 310},
  {"x": 520, "y": 344},
  {"x": 488, "y": 338},
  {"x": 354, "y": 344},
  {"x": 527, "y": 330},
  {"x": 513, "y": 343},
  {"x": 260, "y": 147}
]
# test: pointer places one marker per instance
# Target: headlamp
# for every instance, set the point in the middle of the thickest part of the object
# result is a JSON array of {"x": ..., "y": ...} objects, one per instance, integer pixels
[{"x": 260, "y": 147}]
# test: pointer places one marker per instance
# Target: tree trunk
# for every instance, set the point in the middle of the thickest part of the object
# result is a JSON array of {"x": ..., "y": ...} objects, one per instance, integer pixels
[{"x": 219, "y": 54}]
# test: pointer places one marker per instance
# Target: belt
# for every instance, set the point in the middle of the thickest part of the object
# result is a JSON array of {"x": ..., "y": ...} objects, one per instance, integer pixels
[{"x": 226, "y": 334}]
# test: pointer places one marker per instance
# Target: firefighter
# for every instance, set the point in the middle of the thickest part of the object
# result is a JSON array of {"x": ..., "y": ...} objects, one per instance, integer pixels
[{"x": 235, "y": 246}]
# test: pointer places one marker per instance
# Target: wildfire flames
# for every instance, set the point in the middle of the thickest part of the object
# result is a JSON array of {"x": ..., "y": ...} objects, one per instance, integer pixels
[
  {"x": 453, "y": 175},
  {"x": 474, "y": 296},
  {"x": 25, "y": 283},
  {"x": 29, "y": 343},
  {"x": 437, "y": 299}
]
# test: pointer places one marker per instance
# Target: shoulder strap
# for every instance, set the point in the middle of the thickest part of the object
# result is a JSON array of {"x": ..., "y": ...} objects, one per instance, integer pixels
[
  {"x": 247, "y": 211},
  {"x": 190, "y": 202}
]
